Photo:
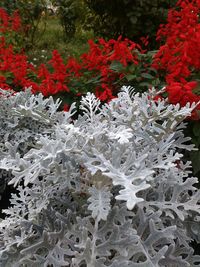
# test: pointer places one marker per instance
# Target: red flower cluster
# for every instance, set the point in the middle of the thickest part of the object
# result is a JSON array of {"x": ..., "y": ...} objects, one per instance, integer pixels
[
  {"x": 92, "y": 72},
  {"x": 99, "y": 60},
  {"x": 179, "y": 57},
  {"x": 57, "y": 76},
  {"x": 11, "y": 29},
  {"x": 14, "y": 68},
  {"x": 9, "y": 23},
  {"x": 53, "y": 82},
  {"x": 107, "y": 62}
]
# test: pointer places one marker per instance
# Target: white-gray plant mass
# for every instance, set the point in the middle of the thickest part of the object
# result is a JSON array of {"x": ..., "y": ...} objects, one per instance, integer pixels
[{"x": 109, "y": 188}]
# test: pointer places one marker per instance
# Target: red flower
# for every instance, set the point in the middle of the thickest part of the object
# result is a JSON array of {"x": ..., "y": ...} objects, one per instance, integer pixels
[
  {"x": 66, "y": 107},
  {"x": 4, "y": 20},
  {"x": 157, "y": 97},
  {"x": 105, "y": 94},
  {"x": 179, "y": 57},
  {"x": 182, "y": 93},
  {"x": 15, "y": 21},
  {"x": 73, "y": 66}
]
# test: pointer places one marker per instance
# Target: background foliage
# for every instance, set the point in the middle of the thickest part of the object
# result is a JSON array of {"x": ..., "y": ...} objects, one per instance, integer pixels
[
  {"x": 73, "y": 16},
  {"x": 130, "y": 18},
  {"x": 33, "y": 16}
]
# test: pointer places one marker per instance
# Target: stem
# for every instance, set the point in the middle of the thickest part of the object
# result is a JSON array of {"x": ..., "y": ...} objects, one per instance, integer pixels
[{"x": 93, "y": 254}]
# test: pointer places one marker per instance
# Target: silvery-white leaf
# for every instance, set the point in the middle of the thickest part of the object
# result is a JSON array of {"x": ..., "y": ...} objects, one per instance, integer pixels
[{"x": 99, "y": 202}]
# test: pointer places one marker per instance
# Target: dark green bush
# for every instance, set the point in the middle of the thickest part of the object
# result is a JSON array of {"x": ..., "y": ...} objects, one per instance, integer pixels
[
  {"x": 73, "y": 16},
  {"x": 129, "y": 18},
  {"x": 68, "y": 15}
]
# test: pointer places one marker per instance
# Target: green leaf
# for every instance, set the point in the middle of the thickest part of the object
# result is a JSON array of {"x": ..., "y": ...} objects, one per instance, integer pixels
[
  {"x": 147, "y": 75},
  {"x": 133, "y": 20},
  {"x": 144, "y": 84},
  {"x": 196, "y": 129},
  {"x": 132, "y": 68},
  {"x": 195, "y": 157},
  {"x": 130, "y": 77},
  {"x": 156, "y": 82},
  {"x": 94, "y": 80},
  {"x": 116, "y": 66},
  {"x": 153, "y": 70}
]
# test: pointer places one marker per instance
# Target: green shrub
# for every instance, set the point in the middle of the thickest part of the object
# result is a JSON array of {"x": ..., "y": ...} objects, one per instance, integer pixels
[
  {"x": 129, "y": 18},
  {"x": 73, "y": 16}
]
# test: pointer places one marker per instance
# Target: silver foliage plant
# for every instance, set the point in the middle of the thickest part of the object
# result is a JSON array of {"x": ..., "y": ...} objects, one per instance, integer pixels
[{"x": 109, "y": 188}]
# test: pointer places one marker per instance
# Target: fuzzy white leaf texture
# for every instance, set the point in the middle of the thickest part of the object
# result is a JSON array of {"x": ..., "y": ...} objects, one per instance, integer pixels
[{"x": 99, "y": 202}]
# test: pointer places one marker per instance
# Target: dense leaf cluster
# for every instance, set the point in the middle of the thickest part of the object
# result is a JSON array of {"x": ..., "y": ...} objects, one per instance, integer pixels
[
  {"x": 131, "y": 19},
  {"x": 107, "y": 189}
]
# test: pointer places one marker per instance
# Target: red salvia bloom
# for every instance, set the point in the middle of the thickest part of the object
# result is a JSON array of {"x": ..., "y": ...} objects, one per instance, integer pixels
[
  {"x": 179, "y": 57},
  {"x": 93, "y": 68},
  {"x": 4, "y": 20},
  {"x": 16, "y": 21}
]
